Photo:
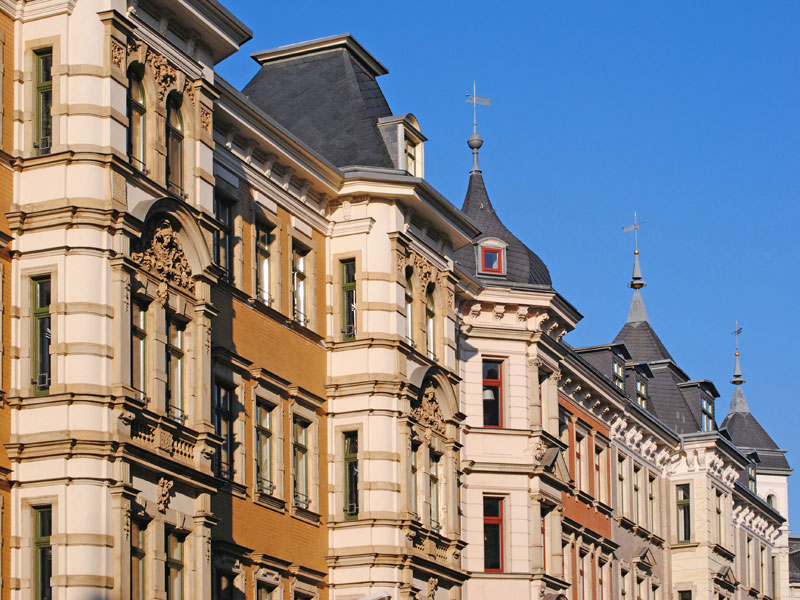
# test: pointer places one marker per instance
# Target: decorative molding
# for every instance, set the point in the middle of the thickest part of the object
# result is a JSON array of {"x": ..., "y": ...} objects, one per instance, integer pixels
[
  {"x": 159, "y": 252},
  {"x": 426, "y": 410},
  {"x": 117, "y": 54},
  {"x": 205, "y": 120},
  {"x": 164, "y": 493},
  {"x": 164, "y": 74}
]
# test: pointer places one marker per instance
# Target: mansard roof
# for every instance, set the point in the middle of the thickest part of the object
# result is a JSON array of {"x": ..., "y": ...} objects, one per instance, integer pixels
[
  {"x": 325, "y": 92},
  {"x": 747, "y": 433},
  {"x": 522, "y": 264},
  {"x": 642, "y": 341}
]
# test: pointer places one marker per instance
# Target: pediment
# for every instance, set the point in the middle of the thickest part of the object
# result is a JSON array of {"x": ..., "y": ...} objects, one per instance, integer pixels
[
  {"x": 726, "y": 576},
  {"x": 553, "y": 462},
  {"x": 646, "y": 559}
]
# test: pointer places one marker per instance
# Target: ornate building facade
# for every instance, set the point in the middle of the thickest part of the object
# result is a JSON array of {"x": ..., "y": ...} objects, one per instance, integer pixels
[{"x": 249, "y": 352}]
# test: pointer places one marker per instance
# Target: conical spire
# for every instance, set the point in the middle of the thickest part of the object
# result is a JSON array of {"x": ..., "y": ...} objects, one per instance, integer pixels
[
  {"x": 738, "y": 402},
  {"x": 637, "y": 312}
]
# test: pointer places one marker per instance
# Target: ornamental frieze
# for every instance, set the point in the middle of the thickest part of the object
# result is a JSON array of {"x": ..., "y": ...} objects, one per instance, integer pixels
[
  {"x": 160, "y": 253},
  {"x": 164, "y": 74}
]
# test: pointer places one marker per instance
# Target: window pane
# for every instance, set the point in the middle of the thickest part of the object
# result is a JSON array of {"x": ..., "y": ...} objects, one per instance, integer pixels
[
  {"x": 491, "y": 260},
  {"x": 491, "y": 507},
  {"x": 43, "y": 293}
]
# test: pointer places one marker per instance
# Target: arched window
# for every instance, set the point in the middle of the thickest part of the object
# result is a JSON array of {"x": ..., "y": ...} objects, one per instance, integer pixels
[
  {"x": 771, "y": 500},
  {"x": 409, "y": 311},
  {"x": 174, "y": 145},
  {"x": 136, "y": 120},
  {"x": 430, "y": 314}
]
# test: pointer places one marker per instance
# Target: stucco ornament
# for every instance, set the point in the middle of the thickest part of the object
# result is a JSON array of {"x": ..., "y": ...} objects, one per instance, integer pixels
[
  {"x": 164, "y": 73},
  {"x": 117, "y": 54},
  {"x": 160, "y": 252},
  {"x": 164, "y": 493},
  {"x": 430, "y": 589},
  {"x": 426, "y": 410}
]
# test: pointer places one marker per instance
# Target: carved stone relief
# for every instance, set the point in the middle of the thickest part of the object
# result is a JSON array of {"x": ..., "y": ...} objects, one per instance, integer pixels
[
  {"x": 427, "y": 412},
  {"x": 159, "y": 252},
  {"x": 164, "y": 493},
  {"x": 164, "y": 73},
  {"x": 117, "y": 54}
]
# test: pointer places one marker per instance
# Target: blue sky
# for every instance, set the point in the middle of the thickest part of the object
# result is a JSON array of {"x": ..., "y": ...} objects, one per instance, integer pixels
[{"x": 688, "y": 113}]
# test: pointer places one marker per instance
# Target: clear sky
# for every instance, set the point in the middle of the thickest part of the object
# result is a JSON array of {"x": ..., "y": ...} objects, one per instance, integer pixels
[{"x": 687, "y": 112}]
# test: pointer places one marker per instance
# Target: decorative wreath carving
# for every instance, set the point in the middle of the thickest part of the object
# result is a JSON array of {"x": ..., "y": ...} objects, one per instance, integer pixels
[
  {"x": 160, "y": 252},
  {"x": 426, "y": 410}
]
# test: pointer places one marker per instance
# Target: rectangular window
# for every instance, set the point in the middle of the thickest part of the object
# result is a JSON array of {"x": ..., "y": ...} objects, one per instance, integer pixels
[
  {"x": 684, "y": 509},
  {"x": 640, "y": 589},
  {"x": 411, "y": 157},
  {"x": 223, "y": 235},
  {"x": 264, "y": 591},
  {"x": 776, "y": 591},
  {"x": 434, "y": 491},
  {"x": 138, "y": 344},
  {"x": 41, "y": 335},
  {"x": 492, "y": 393},
  {"x": 621, "y": 466},
  {"x": 749, "y": 563},
  {"x": 264, "y": 447},
  {"x": 491, "y": 260},
  {"x": 44, "y": 101},
  {"x": 685, "y": 595},
  {"x": 544, "y": 533},
  {"x": 430, "y": 326},
  {"x": 351, "y": 475},
  {"x": 224, "y": 588},
  {"x": 173, "y": 567},
  {"x": 300, "y": 462},
  {"x": 580, "y": 456},
  {"x": 751, "y": 478},
  {"x": 409, "y": 299},
  {"x": 222, "y": 416},
  {"x": 138, "y": 561},
  {"x": 581, "y": 577},
  {"x": 600, "y": 478},
  {"x": 762, "y": 568},
  {"x": 174, "y": 369},
  {"x": 641, "y": 393},
  {"x": 707, "y": 409},
  {"x": 618, "y": 374},
  {"x": 651, "y": 503},
  {"x": 414, "y": 469},
  {"x": 492, "y": 534},
  {"x": 718, "y": 526},
  {"x": 263, "y": 248},
  {"x": 349, "y": 299},
  {"x": 299, "y": 256},
  {"x": 637, "y": 494},
  {"x": 43, "y": 552}
]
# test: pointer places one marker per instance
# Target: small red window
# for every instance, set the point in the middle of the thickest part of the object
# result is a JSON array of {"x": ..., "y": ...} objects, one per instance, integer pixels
[{"x": 491, "y": 260}]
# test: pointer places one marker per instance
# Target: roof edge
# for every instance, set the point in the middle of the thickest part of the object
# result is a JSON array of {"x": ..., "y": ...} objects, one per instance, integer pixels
[{"x": 323, "y": 44}]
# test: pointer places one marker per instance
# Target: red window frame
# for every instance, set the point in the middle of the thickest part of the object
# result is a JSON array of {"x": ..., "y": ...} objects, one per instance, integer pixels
[
  {"x": 499, "y": 522},
  {"x": 499, "y": 253},
  {"x": 497, "y": 384}
]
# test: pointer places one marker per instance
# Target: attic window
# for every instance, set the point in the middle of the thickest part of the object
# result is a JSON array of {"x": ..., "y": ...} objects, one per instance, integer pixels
[
  {"x": 492, "y": 260},
  {"x": 641, "y": 393},
  {"x": 707, "y": 410},
  {"x": 411, "y": 156},
  {"x": 619, "y": 378}
]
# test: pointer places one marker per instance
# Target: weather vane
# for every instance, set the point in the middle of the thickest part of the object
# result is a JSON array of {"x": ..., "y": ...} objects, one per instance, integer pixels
[
  {"x": 635, "y": 229},
  {"x": 474, "y": 99},
  {"x": 737, "y": 332}
]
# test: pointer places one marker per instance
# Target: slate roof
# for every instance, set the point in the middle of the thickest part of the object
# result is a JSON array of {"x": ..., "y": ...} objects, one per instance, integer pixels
[
  {"x": 642, "y": 341},
  {"x": 748, "y": 434},
  {"x": 328, "y": 97},
  {"x": 794, "y": 559},
  {"x": 522, "y": 264}
]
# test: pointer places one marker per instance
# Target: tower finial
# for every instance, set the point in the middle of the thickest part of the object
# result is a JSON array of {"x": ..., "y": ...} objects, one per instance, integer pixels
[
  {"x": 637, "y": 312},
  {"x": 737, "y": 366},
  {"x": 738, "y": 402},
  {"x": 475, "y": 141}
]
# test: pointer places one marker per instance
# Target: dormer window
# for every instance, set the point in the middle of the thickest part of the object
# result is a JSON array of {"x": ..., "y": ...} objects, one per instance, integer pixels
[
  {"x": 411, "y": 156},
  {"x": 619, "y": 378},
  {"x": 641, "y": 393},
  {"x": 491, "y": 258},
  {"x": 707, "y": 411}
]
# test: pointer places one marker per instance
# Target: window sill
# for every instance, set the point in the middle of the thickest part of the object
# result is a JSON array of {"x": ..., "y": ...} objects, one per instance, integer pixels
[
  {"x": 684, "y": 545},
  {"x": 305, "y": 515},
  {"x": 270, "y": 501}
]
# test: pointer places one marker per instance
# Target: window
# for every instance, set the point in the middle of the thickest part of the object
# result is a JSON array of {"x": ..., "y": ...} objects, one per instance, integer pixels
[
  {"x": 762, "y": 568},
  {"x": 264, "y": 591},
  {"x": 684, "y": 507},
  {"x": 41, "y": 335},
  {"x": 751, "y": 478},
  {"x": 264, "y": 448},
  {"x": 621, "y": 466},
  {"x": 492, "y": 534},
  {"x": 411, "y": 157},
  {"x": 600, "y": 485},
  {"x": 174, "y": 360},
  {"x": 223, "y": 235},
  {"x": 749, "y": 563},
  {"x": 685, "y": 595},
  {"x": 222, "y": 416},
  {"x": 707, "y": 409},
  {"x": 173, "y": 567},
  {"x": 544, "y": 534},
  {"x": 641, "y": 393},
  {"x": 563, "y": 426},
  {"x": 430, "y": 323},
  {"x": 491, "y": 260},
  {"x": 771, "y": 500},
  {"x": 640, "y": 589},
  {"x": 623, "y": 582},
  {"x": 776, "y": 591},
  {"x": 637, "y": 493},
  {"x": 492, "y": 393},
  {"x": 580, "y": 456},
  {"x": 138, "y": 344},
  {"x": 174, "y": 146},
  {"x": 349, "y": 299},
  {"x": 618, "y": 374},
  {"x": 581, "y": 576},
  {"x": 263, "y": 245},
  {"x": 434, "y": 491},
  {"x": 138, "y": 561},
  {"x": 43, "y": 552},
  {"x": 224, "y": 588},
  {"x": 409, "y": 311},
  {"x": 414, "y": 469},
  {"x": 651, "y": 502},
  {"x": 44, "y": 101},
  {"x": 300, "y": 462},
  {"x": 718, "y": 527},
  {"x": 136, "y": 120},
  {"x": 351, "y": 474},
  {"x": 299, "y": 256}
]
